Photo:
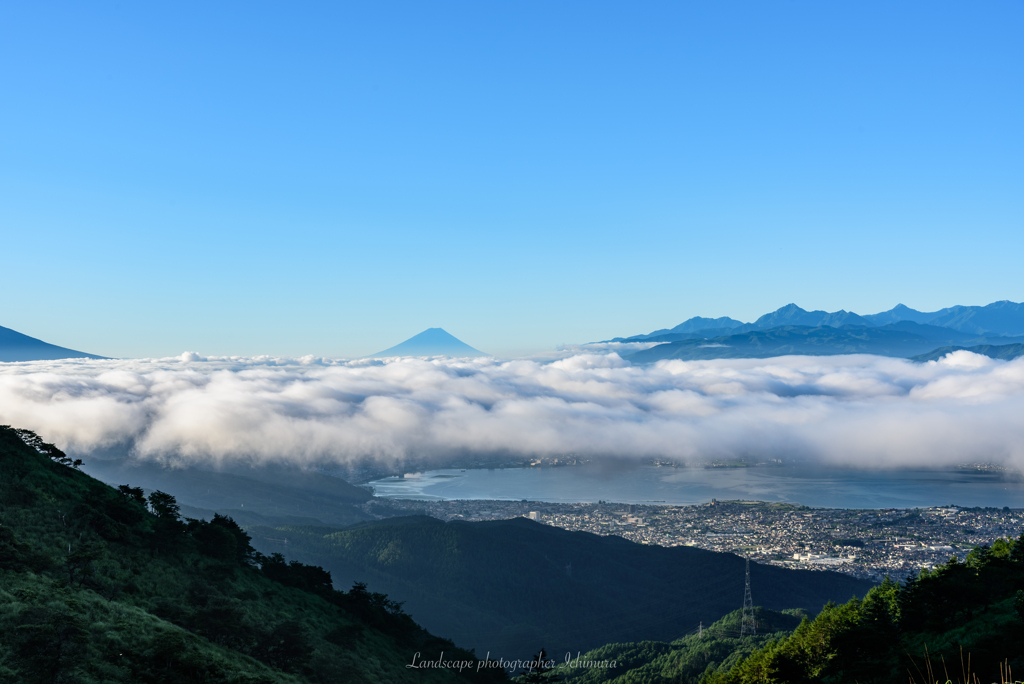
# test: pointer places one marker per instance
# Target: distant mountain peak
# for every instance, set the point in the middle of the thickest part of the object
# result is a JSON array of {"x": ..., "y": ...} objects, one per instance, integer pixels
[
  {"x": 15, "y": 346},
  {"x": 1000, "y": 319},
  {"x": 431, "y": 342}
]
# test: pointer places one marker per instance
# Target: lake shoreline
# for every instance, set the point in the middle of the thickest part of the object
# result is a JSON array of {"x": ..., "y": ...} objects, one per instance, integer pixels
[{"x": 814, "y": 486}]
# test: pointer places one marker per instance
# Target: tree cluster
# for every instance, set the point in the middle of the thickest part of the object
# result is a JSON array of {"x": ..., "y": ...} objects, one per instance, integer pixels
[
  {"x": 46, "y": 448},
  {"x": 973, "y": 608}
]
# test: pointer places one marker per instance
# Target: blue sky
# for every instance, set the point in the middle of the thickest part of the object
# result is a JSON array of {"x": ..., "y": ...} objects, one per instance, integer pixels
[{"x": 245, "y": 178}]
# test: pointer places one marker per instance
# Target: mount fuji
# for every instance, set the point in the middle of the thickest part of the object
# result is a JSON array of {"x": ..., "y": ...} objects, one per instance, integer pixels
[{"x": 431, "y": 342}]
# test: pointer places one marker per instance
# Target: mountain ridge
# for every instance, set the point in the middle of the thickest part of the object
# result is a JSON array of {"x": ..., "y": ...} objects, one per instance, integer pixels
[
  {"x": 904, "y": 339},
  {"x": 1001, "y": 318}
]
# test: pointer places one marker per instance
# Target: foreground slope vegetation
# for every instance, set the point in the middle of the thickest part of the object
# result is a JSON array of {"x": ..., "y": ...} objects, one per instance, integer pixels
[
  {"x": 509, "y": 587},
  {"x": 102, "y": 585},
  {"x": 959, "y": 616},
  {"x": 684, "y": 661}
]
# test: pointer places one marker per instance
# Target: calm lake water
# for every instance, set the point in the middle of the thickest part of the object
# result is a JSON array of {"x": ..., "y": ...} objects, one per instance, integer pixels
[{"x": 811, "y": 486}]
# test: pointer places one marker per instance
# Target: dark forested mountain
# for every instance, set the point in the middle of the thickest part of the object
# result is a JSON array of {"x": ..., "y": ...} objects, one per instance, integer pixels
[
  {"x": 15, "y": 346},
  {"x": 99, "y": 584},
  {"x": 514, "y": 585},
  {"x": 271, "y": 490}
]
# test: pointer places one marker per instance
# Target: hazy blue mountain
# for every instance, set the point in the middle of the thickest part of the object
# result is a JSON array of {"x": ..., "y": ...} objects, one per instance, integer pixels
[
  {"x": 686, "y": 329},
  {"x": 901, "y": 313},
  {"x": 700, "y": 323},
  {"x": 15, "y": 346},
  {"x": 509, "y": 586},
  {"x": 674, "y": 337},
  {"x": 276, "y": 491},
  {"x": 791, "y": 314},
  {"x": 995, "y": 319},
  {"x": 791, "y": 339},
  {"x": 1006, "y": 352},
  {"x": 934, "y": 333},
  {"x": 998, "y": 318},
  {"x": 432, "y": 342},
  {"x": 904, "y": 339}
]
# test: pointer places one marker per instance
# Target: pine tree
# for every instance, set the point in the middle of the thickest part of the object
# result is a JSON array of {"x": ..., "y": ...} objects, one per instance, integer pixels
[
  {"x": 540, "y": 670},
  {"x": 164, "y": 505}
]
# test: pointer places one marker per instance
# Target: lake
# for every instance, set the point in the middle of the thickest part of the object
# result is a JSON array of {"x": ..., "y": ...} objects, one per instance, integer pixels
[{"x": 812, "y": 486}]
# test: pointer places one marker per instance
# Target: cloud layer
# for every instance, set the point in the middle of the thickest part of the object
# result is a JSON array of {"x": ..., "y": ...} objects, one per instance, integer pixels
[{"x": 857, "y": 410}]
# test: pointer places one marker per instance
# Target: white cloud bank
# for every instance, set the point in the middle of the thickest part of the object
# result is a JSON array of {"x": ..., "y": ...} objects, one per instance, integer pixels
[{"x": 858, "y": 410}]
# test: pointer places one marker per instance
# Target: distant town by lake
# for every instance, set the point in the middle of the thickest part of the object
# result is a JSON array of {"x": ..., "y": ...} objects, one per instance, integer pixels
[{"x": 646, "y": 484}]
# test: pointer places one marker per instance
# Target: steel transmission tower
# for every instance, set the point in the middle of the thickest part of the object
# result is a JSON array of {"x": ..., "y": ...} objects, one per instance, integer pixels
[{"x": 748, "y": 627}]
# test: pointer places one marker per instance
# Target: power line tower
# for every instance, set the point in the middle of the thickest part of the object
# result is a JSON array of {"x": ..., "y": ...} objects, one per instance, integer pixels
[{"x": 748, "y": 627}]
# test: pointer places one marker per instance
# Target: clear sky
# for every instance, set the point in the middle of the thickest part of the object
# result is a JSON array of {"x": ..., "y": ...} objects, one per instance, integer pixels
[{"x": 331, "y": 178}]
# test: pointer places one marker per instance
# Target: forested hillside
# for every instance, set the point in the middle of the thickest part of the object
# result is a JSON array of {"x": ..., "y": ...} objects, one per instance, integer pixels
[
  {"x": 684, "y": 661},
  {"x": 962, "y": 621},
  {"x": 512, "y": 586},
  {"x": 99, "y": 584}
]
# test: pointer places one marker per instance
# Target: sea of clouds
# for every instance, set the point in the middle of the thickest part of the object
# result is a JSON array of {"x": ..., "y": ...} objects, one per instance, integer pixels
[{"x": 855, "y": 410}]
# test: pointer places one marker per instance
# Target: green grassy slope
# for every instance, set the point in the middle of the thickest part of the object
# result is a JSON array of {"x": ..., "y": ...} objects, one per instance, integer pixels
[
  {"x": 94, "y": 587},
  {"x": 513, "y": 586}
]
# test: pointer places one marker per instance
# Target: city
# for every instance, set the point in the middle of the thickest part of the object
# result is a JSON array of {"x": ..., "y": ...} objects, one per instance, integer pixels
[{"x": 869, "y": 544}]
